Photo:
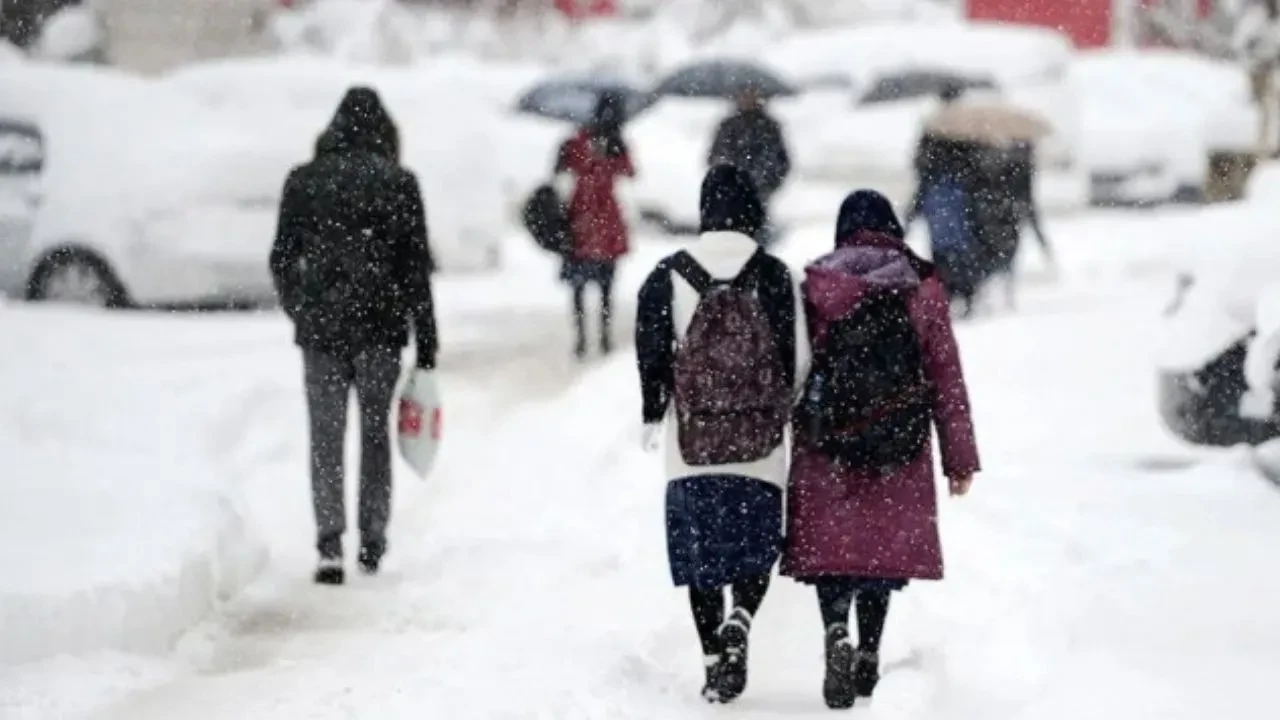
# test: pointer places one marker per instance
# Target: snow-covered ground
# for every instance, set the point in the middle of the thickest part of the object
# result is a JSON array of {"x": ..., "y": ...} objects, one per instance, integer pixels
[{"x": 1100, "y": 569}]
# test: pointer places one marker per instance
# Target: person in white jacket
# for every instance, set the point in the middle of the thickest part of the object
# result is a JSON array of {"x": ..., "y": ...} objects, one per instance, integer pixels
[{"x": 723, "y": 348}]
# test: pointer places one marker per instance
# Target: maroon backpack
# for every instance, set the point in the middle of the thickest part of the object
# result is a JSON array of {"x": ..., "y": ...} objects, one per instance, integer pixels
[{"x": 731, "y": 395}]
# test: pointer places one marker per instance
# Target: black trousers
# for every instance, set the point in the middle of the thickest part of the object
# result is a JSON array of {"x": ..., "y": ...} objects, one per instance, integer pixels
[
  {"x": 329, "y": 381},
  {"x": 837, "y": 596},
  {"x": 579, "y": 274},
  {"x": 709, "y": 609}
]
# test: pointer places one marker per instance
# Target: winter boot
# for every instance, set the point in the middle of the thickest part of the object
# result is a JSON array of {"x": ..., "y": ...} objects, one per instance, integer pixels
[
  {"x": 606, "y": 333},
  {"x": 866, "y": 672},
  {"x": 838, "y": 688},
  {"x": 733, "y": 659},
  {"x": 711, "y": 690},
  {"x": 329, "y": 571},
  {"x": 371, "y": 552}
]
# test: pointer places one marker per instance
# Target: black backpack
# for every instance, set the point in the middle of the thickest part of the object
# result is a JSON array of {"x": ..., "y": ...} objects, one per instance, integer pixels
[
  {"x": 547, "y": 220},
  {"x": 867, "y": 401}
]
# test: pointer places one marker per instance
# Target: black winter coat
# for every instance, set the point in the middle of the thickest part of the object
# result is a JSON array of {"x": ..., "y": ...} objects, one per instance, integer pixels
[
  {"x": 752, "y": 141},
  {"x": 351, "y": 262}
]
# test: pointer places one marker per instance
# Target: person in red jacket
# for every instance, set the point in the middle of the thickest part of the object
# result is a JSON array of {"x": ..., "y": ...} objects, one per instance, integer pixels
[
  {"x": 596, "y": 157},
  {"x": 857, "y": 532}
]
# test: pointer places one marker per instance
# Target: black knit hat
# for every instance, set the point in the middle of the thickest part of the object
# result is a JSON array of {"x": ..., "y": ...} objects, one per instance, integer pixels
[{"x": 730, "y": 202}]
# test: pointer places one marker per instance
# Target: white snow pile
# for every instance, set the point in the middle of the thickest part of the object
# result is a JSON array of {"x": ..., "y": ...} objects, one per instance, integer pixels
[
  {"x": 119, "y": 528},
  {"x": 72, "y": 33}
]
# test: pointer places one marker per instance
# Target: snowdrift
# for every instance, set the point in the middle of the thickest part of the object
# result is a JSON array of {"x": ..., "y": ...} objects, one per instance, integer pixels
[{"x": 120, "y": 530}]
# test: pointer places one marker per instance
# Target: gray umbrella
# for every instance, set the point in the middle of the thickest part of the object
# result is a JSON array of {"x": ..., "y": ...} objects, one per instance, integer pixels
[
  {"x": 574, "y": 99},
  {"x": 722, "y": 79},
  {"x": 916, "y": 83}
]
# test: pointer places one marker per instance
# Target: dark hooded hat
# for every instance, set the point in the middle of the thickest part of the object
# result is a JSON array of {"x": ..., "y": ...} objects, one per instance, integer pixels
[
  {"x": 867, "y": 211},
  {"x": 867, "y": 220},
  {"x": 610, "y": 111},
  {"x": 730, "y": 202},
  {"x": 361, "y": 124}
]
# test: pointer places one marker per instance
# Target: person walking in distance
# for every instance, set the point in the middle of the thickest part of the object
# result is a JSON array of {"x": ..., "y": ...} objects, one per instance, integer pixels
[
  {"x": 596, "y": 157},
  {"x": 862, "y": 515},
  {"x": 352, "y": 268},
  {"x": 752, "y": 140},
  {"x": 720, "y": 342}
]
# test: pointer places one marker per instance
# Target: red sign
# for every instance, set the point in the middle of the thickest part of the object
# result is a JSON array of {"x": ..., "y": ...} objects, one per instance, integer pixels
[
  {"x": 1087, "y": 22},
  {"x": 578, "y": 9}
]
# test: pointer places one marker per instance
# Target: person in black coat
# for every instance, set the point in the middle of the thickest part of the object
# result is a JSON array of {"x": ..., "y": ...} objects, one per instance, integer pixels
[
  {"x": 752, "y": 140},
  {"x": 352, "y": 266},
  {"x": 1005, "y": 202}
]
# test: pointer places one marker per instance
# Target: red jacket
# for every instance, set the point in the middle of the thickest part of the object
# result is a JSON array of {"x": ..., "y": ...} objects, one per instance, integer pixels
[
  {"x": 599, "y": 230},
  {"x": 847, "y": 522}
]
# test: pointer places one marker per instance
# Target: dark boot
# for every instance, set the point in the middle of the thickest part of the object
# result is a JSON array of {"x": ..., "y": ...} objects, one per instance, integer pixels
[
  {"x": 711, "y": 690},
  {"x": 866, "y": 672},
  {"x": 329, "y": 570},
  {"x": 606, "y": 328},
  {"x": 838, "y": 688},
  {"x": 580, "y": 322},
  {"x": 371, "y": 552},
  {"x": 733, "y": 662}
]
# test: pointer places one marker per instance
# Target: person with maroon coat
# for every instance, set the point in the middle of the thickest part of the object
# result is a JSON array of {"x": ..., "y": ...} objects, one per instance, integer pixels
[
  {"x": 861, "y": 530},
  {"x": 596, "y": 156}
]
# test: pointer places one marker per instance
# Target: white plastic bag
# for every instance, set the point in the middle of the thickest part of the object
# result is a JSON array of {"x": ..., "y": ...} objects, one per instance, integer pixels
[{"x": 418, "y": 421}]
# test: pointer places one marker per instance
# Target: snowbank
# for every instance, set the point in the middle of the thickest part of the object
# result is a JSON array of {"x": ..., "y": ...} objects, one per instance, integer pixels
[
  {"x": 73, "y": 33},
  {"x": 119, "y": 528}
]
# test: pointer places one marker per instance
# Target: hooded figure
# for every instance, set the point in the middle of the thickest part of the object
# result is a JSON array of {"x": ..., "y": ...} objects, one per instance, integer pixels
[
  {"x": 752, "y": 139},
  {"x": 352, "y": 268},
  {"x": 596, "y": 157},
  {"x": 724, "y": 520},
  {"x": 859, "y": 531},
  {"x": 948, "y": 182}
]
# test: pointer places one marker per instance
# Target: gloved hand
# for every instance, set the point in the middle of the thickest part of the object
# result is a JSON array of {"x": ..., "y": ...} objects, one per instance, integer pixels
[{"x": 651, "y": 437}]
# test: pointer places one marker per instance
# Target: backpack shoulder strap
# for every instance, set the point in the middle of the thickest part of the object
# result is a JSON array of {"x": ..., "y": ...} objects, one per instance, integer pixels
[
  {"x": 749, "y": 276},
  {"x": 693, "y": 273}
]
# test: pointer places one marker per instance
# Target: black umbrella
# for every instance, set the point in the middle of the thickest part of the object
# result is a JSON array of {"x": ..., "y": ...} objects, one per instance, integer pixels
[
  {"x": 574, "y": 99},
  {"x": 723, "y": 79},
  {"x": 912, "y": 84}
]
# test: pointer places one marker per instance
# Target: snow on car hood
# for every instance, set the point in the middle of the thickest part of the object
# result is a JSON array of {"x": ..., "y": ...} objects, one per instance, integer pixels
[
  {"x": 1230, "y": 271},
  {"x": 1212, "y": 94},
  {"x": 447, "y": 112},
  {"x": 121, "y": 147},
  {"x": 1013, "y": 55}
]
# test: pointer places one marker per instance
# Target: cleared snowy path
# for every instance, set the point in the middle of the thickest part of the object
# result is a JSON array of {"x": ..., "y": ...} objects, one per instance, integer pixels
[{"x": 528, "y": 578}]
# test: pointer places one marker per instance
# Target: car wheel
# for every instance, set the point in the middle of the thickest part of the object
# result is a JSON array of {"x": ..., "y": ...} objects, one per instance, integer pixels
[{"x": 76, "y": 277}]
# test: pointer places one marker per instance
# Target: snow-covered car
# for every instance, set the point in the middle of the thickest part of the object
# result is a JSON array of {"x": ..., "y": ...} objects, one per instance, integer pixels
[
  {"x": 1213, "y": 93},
  {"x": 835, "y": 139},
  {"x": 448, "y": 118},
  {"x": 1151, "y": 118},
  {"x": 1209, "y": 326},
  {"x": 140, "y": 196}
]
